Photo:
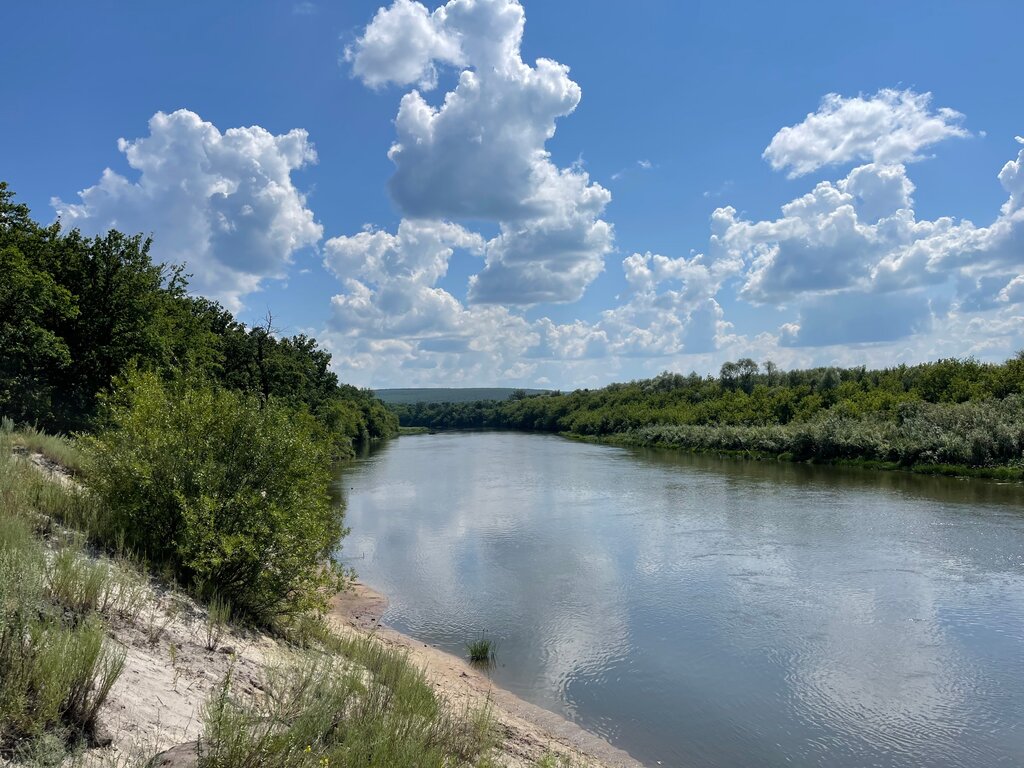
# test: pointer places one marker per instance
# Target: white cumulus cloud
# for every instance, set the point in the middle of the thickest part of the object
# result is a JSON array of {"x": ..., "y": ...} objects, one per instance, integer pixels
[
  {"x": 828, "y": 239},
  {"x": 890, "y": 127},
  {"x": 401, "y": 45},
  {"x": 393, "y": 320},
  {"x": 222, "y": 203},
  {"x": 982, "y": 259},
  {"x": 670, "y": 306},
  {"x": 859, "y": 265},
  {"x": 390, "y": 280},
  {"x": 480, "y": 154}
]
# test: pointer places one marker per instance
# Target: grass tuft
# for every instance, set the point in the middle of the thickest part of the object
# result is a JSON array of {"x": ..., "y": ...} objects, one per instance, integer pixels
[
  {"x": 59, "y": 449},
  {"x": 218, "y": 616},
  {"x": 482, "y": 650}
]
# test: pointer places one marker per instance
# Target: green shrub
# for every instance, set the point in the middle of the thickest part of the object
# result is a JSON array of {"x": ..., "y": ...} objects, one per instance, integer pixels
[{"x": 227, "y": 491}]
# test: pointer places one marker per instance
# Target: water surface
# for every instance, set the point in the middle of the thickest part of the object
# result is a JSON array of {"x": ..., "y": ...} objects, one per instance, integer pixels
[{"x": 704, "y": 612}]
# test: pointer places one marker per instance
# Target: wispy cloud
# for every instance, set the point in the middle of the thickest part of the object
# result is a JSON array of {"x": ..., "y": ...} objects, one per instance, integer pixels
[
  {"x": 724, "y": 187},
  {"x": 643, "y": 165}
]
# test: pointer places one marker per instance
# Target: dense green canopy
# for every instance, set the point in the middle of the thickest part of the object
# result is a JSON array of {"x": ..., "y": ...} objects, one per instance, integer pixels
[
  {"x": 957, "y": 412},
  {"x": 76, "y": 312}
]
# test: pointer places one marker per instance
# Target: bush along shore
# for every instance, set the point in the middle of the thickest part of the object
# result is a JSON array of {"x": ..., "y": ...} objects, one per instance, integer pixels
[{"x": 954, "y": 417}]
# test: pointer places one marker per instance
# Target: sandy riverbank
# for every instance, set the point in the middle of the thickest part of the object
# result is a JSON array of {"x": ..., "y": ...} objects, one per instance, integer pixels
[
  {"x": 528, "y": 732},
  {"x": 169, "y": 674}
]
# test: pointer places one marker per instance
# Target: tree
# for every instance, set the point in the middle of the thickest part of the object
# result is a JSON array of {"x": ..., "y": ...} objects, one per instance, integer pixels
[
  {"x": 31, "y": 303},
  {"x": 746, "y": 372}
]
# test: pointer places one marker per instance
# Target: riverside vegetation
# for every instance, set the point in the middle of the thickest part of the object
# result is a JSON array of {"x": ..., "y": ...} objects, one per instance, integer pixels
[
  {"x": 201, "y": 462},
  {"x": 949, "y": 417},
  {"x": 69, "y": 575},
  {"x": 77, "y": 312}
]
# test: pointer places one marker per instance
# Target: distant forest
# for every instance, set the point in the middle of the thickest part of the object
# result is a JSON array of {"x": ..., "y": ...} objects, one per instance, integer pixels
[
  {"x": 77, "y": 313},
  {"x": 452, "y": 395},
  {"x": 950, "y": 416}
]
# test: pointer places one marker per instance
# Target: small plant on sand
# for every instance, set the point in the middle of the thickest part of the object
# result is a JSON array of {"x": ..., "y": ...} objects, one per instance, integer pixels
[
  {"x": 481, "y": 650},
  {"x": 554, "y": 760},
  {"x": 218, "y": 616},
  {"x": 159, "y": 618}
]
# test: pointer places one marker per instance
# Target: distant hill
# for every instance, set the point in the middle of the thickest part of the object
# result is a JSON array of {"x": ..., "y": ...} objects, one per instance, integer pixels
[{"x": 450, "y": 395}]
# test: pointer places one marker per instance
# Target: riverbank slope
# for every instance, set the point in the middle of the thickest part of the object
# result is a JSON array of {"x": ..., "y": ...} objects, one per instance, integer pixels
[{"x": 178, "y": 660}]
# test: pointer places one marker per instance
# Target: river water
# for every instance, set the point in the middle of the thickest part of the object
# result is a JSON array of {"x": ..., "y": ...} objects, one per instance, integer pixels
[{"x": 705, "y": 612}]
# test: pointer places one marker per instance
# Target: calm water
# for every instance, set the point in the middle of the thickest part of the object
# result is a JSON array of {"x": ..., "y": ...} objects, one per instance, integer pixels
[{"x": 701, "y": 612}]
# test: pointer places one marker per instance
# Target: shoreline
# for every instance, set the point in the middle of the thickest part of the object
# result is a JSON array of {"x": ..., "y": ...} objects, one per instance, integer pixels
[
  {"x": 527, "y": 732},
  {"x": 999, "y": 474}
]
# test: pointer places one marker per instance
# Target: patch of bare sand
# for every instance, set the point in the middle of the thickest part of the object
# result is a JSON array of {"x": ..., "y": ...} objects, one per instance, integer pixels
[
  {"x": 528, "y": 732},
  {"x": 169, "y": 674}
]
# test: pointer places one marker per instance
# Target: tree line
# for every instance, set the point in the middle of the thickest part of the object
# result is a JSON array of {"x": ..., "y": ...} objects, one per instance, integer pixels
[
  {"x": 77, "y": 313},
  {"x": 950, "y": 412}
]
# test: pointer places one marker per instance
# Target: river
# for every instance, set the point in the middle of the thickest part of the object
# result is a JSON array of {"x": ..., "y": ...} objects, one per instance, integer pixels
[{"x": 705, "y": 612}]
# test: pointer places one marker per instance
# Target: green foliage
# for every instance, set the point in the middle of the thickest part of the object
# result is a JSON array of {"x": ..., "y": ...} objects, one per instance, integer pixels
[
  {"x": 31, "y": 303},
  {"x": 951, "y": 412},
  {"x": 226, "y": 490},
  {"x": 76, "y": 312},
  {"x": 980, "y": 434}
]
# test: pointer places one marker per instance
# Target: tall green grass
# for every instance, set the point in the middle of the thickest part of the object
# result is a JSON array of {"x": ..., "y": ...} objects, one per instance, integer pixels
[
  {"x": 481, "y": 650},
  {"x": 976, "y": 434},
  {"x": 57, "y": 665}
]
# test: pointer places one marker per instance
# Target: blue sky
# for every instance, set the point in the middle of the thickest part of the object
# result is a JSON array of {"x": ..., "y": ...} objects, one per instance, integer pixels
[{"x": 561, "y": 193}]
